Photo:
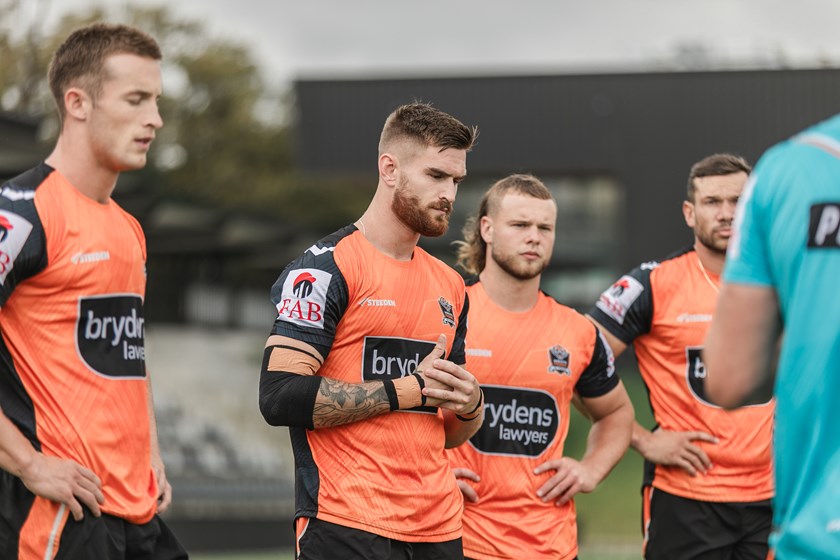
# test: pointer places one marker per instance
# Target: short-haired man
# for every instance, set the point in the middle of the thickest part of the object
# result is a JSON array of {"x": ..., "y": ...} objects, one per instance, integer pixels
[
  {"x": 708, "y": 478},
  {"x": 355, "y": 362},
  {"x": 77, "y": 433},
  {"x": 782, "y": 272},
  {"x": 531, "y": 355}
]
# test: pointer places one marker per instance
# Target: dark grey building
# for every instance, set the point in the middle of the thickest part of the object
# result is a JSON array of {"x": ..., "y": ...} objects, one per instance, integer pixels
[{"x": 616, "y": 149}]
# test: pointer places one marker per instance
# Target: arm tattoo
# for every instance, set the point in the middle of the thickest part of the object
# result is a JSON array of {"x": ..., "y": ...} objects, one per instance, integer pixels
[{"x": 341, "y": 403}]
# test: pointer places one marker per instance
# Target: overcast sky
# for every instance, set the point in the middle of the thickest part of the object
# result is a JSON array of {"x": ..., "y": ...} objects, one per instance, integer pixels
[{"x": 329, "y": 38}]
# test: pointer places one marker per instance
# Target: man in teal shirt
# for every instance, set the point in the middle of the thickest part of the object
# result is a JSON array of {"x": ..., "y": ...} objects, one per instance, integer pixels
[{"x": 782, "y": 289}]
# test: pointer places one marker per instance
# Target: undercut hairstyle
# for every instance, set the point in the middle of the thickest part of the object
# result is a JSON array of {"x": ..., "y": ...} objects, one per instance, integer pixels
[
  {"x": 80, "y": 60},
  {"x": 714, "y": 165},
  {"x": 427, "y": 126},
  {"x": 472, "y": 251}
]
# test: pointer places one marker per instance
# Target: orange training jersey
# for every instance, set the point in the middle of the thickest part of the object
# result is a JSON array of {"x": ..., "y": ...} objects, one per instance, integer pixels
[
  {"x": 72, "y": 369},
  {"x": 529, "y": 365},
  {"x": 665, "y": 309},
  {"x": 374, "y": 318}
]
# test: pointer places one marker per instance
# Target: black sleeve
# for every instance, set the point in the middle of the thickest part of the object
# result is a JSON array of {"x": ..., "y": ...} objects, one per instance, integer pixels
[
  {"x": 458, "y": 354},
  {"x": 23, "y": 247},
  {"x": 311, "y": 295},
  {"x": 625, "y": 309},
  {"x": 287, "y": 399},
  {"x": 599, "y": 377}
]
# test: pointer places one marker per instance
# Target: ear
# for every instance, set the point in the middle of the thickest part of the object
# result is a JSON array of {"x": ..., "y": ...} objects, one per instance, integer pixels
[
  {"x": 77, "y": 103},
  {"x": 485, "y": 227},
  {"x": 388, "y": 165},
  {"x": 688, "y": 213}
]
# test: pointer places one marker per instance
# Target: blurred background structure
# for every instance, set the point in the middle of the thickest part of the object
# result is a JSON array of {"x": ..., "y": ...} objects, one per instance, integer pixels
[{"x": 272, "y": 115}]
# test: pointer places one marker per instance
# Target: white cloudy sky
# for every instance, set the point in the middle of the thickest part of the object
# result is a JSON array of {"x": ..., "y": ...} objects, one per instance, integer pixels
[{"x": 328, "y": 38}]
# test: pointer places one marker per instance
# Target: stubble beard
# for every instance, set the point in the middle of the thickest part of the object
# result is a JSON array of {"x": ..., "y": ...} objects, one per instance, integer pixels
[
  {"x": 408, "y": 210},
  {"x": 516, "y": 269},
  {"x": 710, "y": 242}
]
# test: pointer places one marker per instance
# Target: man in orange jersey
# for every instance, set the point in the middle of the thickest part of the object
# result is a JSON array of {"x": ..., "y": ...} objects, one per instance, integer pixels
[
  {"x": 531, "y": 355},
  {"x": 363, "y": 361},
  {"x": 708, "y": 479},
  {"x": 77, "y": 433}
]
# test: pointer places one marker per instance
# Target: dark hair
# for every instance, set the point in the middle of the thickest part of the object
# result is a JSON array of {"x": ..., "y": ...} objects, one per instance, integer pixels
[
  {"x": 713, "y": 165},
  {"x": 428, "y": 126},
  {"x": 80, "y": 60},
  {"x": 472, "y": 251}
]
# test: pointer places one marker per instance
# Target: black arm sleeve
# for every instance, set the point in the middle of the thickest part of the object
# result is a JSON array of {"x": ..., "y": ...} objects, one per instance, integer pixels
[
  {"x": 287, "y": 399},
  {"x": 599, "y": 377}
]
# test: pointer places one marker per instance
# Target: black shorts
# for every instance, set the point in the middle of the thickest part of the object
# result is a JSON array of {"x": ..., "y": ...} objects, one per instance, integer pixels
[
  {"x": 686, "y": 529},
  {"x": 322, "y": 540},
  {"x": 33, "y": 526}
]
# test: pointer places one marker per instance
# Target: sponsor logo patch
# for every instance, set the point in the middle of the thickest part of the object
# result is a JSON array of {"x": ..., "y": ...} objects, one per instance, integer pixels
[
  {"x": 558, "y": 360},
  {"x": 694, "y": 318},
  {"x": 446, "y": 309},
  {"x": 109, "y": 335},
  {"x": 479, "y": 352},
  {"x": 392, "y": 358},
  {"x": 304, "y": 297},
  {"x": 617, "y": 299},
  {"x": 824, "y": 227},
  {"x": 83, "y": 258},
  {"x": 696, "y": 377},
  {"x": 517, "y": 421},
  {"x": 370, "y": 302},
  {"x": 14, "y": 231}
]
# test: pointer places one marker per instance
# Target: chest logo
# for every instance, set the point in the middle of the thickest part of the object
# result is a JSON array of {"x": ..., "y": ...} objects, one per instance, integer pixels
[
  {"x": 518, "y": 422},
  {"x": 559, "y": 360},
  {"x": 446, "y": 309}
]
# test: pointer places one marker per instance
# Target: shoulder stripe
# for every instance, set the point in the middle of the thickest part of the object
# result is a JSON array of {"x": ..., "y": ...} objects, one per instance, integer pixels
[
  {"x": 296, "y": 349},
  {"x": 821, "y": 141}
]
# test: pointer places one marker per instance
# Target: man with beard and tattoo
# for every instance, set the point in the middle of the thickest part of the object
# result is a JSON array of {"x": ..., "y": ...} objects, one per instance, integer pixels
[
  {"x": 532, "y": 356},
  {"x": 363, "y": 361},
  {"x": 708, "y": 473}
]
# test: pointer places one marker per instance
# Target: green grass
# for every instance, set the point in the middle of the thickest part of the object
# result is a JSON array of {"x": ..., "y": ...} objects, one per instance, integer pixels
[{"x": 612, "y": 512}]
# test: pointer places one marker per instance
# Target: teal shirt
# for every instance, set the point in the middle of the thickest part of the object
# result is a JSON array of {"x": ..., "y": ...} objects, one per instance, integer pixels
[{"x": 787, "y": 236}]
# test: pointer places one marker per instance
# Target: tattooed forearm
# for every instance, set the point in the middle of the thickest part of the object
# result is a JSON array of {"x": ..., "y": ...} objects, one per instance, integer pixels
[{"x": 340, "y": 403}]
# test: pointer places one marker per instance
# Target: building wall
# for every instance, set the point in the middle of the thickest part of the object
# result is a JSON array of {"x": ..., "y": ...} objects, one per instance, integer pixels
[{"x": 643, "y": 130}]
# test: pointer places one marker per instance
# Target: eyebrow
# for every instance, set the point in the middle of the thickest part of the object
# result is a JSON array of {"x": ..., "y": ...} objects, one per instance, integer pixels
[{"x": 445, "y": 174}]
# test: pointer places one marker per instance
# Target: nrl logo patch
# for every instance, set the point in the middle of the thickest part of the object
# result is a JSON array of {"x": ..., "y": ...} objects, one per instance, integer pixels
[
  {"x": 559, "y": 359},
  {"x": 446, "y": 309}
]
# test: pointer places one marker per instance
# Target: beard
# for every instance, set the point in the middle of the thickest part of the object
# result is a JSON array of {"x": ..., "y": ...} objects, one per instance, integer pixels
[
  {"x": 516, "y": 268},
  {"x": 711, "y": 242},
  {"x": 407, "y": 208}
]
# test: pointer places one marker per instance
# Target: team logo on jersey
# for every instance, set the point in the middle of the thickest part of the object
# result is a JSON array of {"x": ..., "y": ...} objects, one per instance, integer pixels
[
  {"x": 558, "y": 360},
  {"x": 392, "y": 358},
  {"x": 14, "y": 231},
  {"x": 5, "y": 226},
  {"x": 517, "y": 421},
  {"x": 696, "y": 377},
  {"x": 110, "y": 335},
  {"x": 304, "y": 297},
  {"x": 446, "y": 309},
  {"x": 302, "y": 285},
  {"x": 824, "y": 228},
  {"x": 617, "y": 299}
]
